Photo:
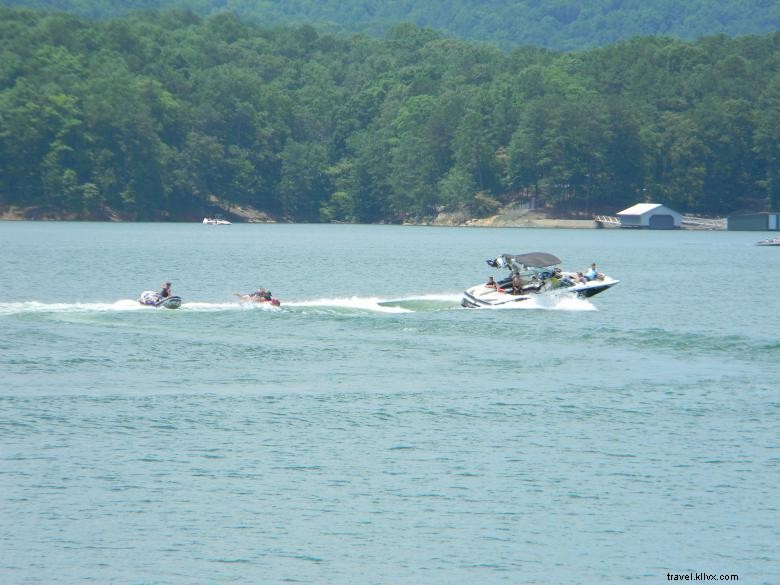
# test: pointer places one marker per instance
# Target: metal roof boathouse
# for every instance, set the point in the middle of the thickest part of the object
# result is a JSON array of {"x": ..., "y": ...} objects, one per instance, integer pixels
[
  {"x": 755, "y": 221},
  {"x": 650, "y": 216}
]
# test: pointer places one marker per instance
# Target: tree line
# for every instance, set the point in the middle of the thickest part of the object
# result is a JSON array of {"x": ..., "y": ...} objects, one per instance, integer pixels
[
  {"x": 157, "y": 115},
  {"x": 554, "y": 24}
]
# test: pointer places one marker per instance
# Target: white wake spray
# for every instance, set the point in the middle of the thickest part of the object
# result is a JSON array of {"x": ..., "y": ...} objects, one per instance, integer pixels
[{"x": 405, "y": 304}]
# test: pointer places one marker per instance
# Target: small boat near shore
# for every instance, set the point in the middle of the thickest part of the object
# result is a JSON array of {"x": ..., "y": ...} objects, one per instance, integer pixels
[
  {"x": 769, "y": 242},
  {"x": 150, "y": 298},
  {"x": 215, "y": 221},
  {"x": 537, "y": 277}
]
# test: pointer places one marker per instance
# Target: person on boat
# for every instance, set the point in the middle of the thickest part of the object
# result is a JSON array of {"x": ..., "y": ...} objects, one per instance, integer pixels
[
  {"x": 517, "y": 284},
  {"x": 555, "y": 278},
  {"x": 166, "y": 290},
  {"x": 491, "y": 283},
  {"x": 536, "y": 284}
]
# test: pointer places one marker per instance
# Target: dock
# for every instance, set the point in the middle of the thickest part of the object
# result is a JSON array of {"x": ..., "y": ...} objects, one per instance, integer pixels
[{"x": 688, "y": 222}]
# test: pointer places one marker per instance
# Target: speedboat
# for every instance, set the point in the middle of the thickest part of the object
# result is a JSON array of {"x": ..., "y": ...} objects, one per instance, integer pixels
[
  {"x": 769, "y": 242},
  {"x": 259, "y": 297},
  {"x": 215, "y": 221},
  {"x": 152, "y": 298},
  {"x": 538, "y": 277}
]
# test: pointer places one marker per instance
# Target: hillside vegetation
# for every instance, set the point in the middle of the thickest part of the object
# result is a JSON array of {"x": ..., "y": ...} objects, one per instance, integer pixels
[
  {"x": 154, "y": 116},
  {"x": 555, "y": 24}
]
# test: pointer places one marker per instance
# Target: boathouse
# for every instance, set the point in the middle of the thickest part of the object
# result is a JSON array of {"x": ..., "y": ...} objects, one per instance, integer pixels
[
  {"x": 650, "y": 216},
  {"x": 762, "y": 222}
]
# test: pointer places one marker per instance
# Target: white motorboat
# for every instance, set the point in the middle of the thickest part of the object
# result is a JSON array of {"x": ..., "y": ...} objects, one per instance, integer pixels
[
  {"x": 769, "y": 242},
  {"x": 215, "y": 221},
  {"x": 532, "y": 275}
]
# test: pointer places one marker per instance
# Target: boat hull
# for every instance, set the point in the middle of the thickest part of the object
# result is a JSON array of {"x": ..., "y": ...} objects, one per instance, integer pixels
[
  {"x": 170, "y": 303},
  {"x": 481, "y": 296}
]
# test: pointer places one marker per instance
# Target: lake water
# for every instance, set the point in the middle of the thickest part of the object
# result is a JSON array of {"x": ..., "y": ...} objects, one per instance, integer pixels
[{"x": 372, "y": 431}]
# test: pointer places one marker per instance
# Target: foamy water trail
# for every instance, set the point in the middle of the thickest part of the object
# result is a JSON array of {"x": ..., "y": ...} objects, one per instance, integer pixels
[
  {"x": 361, "y": 303},
  {"x": 125, "y": 305},
  {"x": 404, "y": 304},
  {"x": 39, "y": 307},
  {"x": 228, "y": 306}
]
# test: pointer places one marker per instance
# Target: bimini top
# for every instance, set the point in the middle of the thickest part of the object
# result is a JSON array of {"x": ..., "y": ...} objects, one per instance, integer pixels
[{"x": 530, "y": 260}]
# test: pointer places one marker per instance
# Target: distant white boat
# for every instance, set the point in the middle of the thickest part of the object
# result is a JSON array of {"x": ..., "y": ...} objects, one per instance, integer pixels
[
  {"x": 769, "y": 242},
  {"x": 215, "y": 221}
]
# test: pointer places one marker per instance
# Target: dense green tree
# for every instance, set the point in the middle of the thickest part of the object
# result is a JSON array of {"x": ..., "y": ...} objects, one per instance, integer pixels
[
  {"x": 767, "y": 143},
  {"x": 164, "y": 115},
  {"x": 559, "y": 24},
  {"x": 304, "y": 183}
]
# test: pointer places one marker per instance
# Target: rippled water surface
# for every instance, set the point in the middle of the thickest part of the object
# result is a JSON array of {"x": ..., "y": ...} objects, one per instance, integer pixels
[{"x": 371, "y": 431}]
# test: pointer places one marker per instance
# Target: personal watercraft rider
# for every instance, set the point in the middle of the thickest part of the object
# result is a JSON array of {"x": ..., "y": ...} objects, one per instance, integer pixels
[
  {"x": 166, "y": 290},
  {"x": 261, "y": 293}
]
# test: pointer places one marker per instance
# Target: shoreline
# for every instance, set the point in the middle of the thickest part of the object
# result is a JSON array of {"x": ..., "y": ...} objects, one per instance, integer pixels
[{"x": 506, "y": 218}]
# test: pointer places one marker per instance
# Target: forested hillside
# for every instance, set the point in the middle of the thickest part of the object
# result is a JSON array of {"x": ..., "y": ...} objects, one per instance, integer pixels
[
  {"x": 555, "y": 24},
  {"x": 152, "y": 116}
]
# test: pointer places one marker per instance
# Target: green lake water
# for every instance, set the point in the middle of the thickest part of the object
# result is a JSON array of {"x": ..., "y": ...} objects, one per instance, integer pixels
[{"x": 372, "y": 431}]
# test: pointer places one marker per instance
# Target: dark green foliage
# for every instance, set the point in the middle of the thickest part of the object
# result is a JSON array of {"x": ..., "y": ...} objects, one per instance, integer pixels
[
  {"x": 160, "y": 115},
  {"x": 556, "y": 24}
]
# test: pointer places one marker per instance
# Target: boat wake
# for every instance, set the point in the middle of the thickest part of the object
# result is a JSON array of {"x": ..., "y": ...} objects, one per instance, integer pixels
[
  {"x": 39, "y": 307},
  {"x": 438, "y": 302},
  {"x": 125, "y": 305},
  {"x": 406, "y": 304},
  {"x": 410, "y": 304}
]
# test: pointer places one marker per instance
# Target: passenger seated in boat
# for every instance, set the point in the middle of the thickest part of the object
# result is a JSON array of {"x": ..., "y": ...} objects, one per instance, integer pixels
[
  {"x": 535, "y": 285},
  {"x": 593, "y": 274},
  {"x": 568, "y": 280},
  {"x": 491, "y": 283},
  {"x": 166, "y": 290}
]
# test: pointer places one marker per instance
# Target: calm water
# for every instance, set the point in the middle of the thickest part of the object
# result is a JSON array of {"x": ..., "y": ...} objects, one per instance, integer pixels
[{"x": 372, "y": 431}]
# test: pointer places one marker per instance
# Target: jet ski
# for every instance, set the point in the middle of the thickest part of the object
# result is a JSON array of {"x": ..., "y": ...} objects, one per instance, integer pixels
[
  {"x": 152, "y": 298},
  {"x": 260, "y": 296}
]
